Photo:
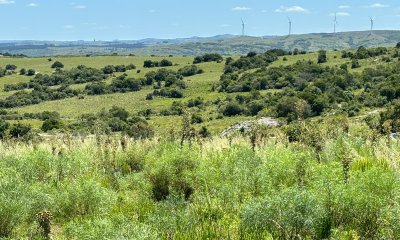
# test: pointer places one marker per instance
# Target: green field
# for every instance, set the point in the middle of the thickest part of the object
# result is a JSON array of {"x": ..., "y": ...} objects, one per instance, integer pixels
[{"x": 197, "y": 86}]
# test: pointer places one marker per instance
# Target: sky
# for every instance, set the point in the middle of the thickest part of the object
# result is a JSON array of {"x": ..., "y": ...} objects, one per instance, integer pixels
[{"x": 138, "y": 19}]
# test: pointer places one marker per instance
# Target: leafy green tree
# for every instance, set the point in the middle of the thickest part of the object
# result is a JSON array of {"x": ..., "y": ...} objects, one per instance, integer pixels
[
  {"x": 30, "y": 72},
  {"x": 22, "y": 71},
  {"x": 119, "y": 112},
  {"x": 232, "y": 109},
  {"x": 57, "y": 64},
  {"x": 11, "y": 67},
  {"x": 20, "y": 130},
  {"x": 50, "y": 124},
  {"x": 165, "y": 63},
  {"x": 108, "y": 69}
]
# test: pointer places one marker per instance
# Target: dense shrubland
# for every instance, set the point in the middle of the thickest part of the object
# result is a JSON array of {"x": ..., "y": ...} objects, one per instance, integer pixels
[{"x": 306, "y": 89}]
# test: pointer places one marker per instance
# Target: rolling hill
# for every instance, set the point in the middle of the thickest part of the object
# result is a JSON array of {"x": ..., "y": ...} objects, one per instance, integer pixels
[{"x": 222, "y": 44}]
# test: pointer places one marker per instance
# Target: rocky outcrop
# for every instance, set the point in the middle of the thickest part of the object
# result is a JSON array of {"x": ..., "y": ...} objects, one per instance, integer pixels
[{"x": 245, "y": 126}]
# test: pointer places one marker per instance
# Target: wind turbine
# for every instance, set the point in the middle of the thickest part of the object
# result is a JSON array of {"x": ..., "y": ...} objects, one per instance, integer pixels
[
  {"x": 290, "y": 26},
  {"x": 334, "y": 23},
  {"x": 372, "y": 19},
  {"x": 243, "y": 25}
]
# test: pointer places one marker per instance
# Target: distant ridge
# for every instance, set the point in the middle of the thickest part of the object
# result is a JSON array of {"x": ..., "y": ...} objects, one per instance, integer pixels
[{"x": 224, "y": 44}]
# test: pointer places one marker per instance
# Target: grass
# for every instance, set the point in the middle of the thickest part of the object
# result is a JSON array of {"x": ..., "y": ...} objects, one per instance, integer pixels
[
  {"x": 197, "y": 86},
  {"x": 213, "y": 189}
]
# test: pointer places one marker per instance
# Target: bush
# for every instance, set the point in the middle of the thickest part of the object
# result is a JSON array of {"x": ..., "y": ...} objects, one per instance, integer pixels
[
  {"x": 232, "y": 109},
  {"x": 189, "y": 71},
  {"x": 196, "y": 119},
  {"x": 51, "y": 124},
  {"x": 30, "y": 72},
  {"x": 211, "y": 57},
  {"x": 165, "y": 63},
  {"x": 11, "y": 67},
  {"x": 322, "y": 56},
  {"x": 355, "y": 64},
  {"x": 150, "y": 64},
  {"x": 4, "y": 126},
  {"x": 57, "y": 64},
  {"x": 292, "y": 213},
  {"x": 20, "y": 130},
  {"x": 139, "y": 129},
  {"x": 22, "y": 71}
]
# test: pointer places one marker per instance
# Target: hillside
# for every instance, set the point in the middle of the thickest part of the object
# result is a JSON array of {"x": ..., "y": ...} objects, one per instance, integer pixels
[
  {"x": 217, "y": 94},
  {"x": 228, "y": 45},
  {"x": 130, "y": 147}
]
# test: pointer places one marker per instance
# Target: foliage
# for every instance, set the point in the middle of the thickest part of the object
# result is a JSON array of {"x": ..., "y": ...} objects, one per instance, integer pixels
[
  {"x": 209, "y": 57},
  {"x": 57, "y": 64}
]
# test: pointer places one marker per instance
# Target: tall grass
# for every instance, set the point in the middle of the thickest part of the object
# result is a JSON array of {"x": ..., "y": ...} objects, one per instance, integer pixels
[{"x": 108, "y": 188}]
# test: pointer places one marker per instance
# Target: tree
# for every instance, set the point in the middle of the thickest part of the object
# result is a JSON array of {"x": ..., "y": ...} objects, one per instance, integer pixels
[
  {"x": 22, "y": 71},
  {"x": 322, "y": 56},
  {"x": 57, "y": 64},
  {"x": 50, "y": 124},
  {"x": 30, "y": 72},
  {"x": 108, "y": 69},
  {"x": 20, "y": 130},
  {"x": 232, "y": 109},
  {"x": 11, "y": 67},
  {"x": 150, "y": 64},
  {"x": 165, "y": 63},
  {"x": 119, "y": 112},
  {"x": 4, "y": 126},
  {"x": 398, "y": 45}
]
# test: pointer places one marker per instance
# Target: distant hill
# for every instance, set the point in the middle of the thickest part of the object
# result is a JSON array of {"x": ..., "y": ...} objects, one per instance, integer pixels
[{"x": 223, "y": 44}]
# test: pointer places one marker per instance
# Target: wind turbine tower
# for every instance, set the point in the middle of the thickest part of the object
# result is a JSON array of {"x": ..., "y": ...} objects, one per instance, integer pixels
[
  {"x": 243, "y": 25},
  {"x": 335, "y": 23},
  {"x": 290, "y": 26},
  {"x": 372, "y": 19}
]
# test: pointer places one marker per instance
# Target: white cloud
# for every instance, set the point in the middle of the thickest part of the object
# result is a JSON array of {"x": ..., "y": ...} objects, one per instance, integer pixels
[
  {"x": 32, "y": 5},
  {"x": 341, "y": 14},
  {"x": 292, "y": 9},
  {"x": 225, "y": 25},
  {"x": 264, "y": 11},
  {"x": 241, "y": 8},
  {"x": 7, "y": 1},
  {"x": 377, "y": 5},
  {"x": 68, "y": 26},
  {"x": 80, "y": 7},
  {"x": 344, "y": 7},
  {"x": 152, "y": 11}
]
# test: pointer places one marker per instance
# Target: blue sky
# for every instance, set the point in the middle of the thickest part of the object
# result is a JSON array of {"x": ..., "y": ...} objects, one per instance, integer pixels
[{"x": 133, "y": 19}]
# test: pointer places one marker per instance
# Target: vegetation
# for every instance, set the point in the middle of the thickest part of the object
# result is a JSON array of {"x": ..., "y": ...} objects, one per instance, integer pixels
[
  {"x": 98, "y": 151},
  {"x": 287, "y": 186},
  {"x": 210, "y": 57}
]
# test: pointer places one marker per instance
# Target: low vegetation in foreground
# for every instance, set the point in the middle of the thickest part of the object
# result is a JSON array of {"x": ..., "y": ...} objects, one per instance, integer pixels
[{"x": 336, "y": 179}]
